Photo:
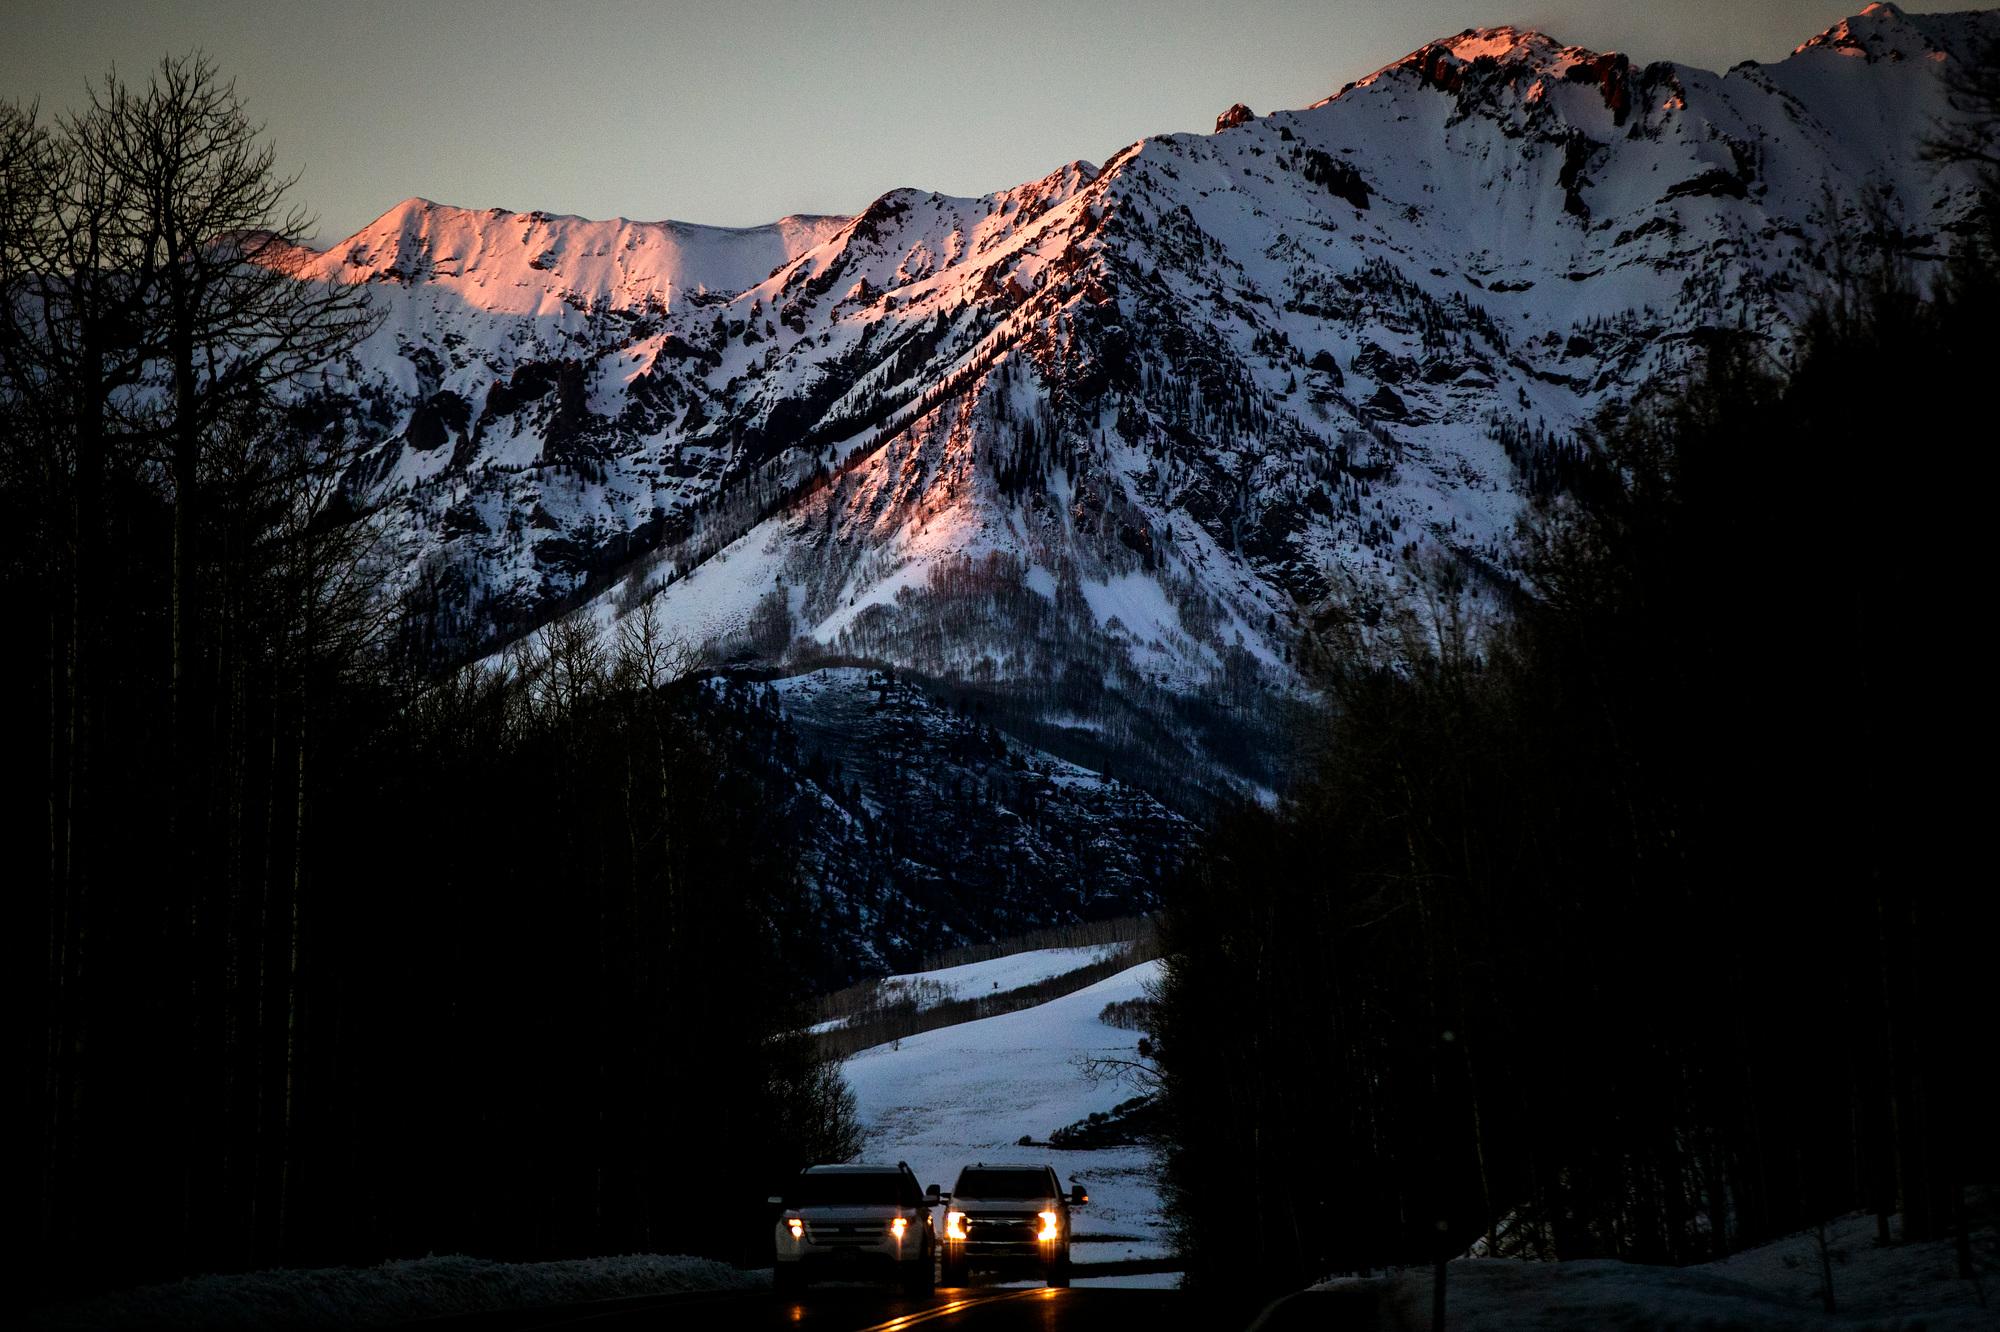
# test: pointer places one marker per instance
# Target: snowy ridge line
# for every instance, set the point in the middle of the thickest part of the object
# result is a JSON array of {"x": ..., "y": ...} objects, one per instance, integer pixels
[{"x": 498, "y": 260}]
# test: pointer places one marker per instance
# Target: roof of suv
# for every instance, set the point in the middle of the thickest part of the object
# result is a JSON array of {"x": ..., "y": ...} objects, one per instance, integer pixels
[
  {"x": 1006, "y": 1181},
  {"x": 855, "y": 1170}
]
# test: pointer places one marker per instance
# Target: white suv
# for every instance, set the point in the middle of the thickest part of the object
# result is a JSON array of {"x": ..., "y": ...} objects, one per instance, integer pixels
[
  {"x": 856, "y": 1222},
  {"x": 1009, "y": 1218}
]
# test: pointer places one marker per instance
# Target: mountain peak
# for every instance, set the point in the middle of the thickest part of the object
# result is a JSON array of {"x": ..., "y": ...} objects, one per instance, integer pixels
[
  {"x": 1237, "y": 114},
  {"x": 1504, "y": 44},
  {"x": 1884, "y": 32},
  {"x": 1515, "y": 50}
]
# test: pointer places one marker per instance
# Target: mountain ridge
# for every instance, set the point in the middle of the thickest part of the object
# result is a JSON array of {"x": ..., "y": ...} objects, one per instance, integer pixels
[
  {"x": 652, "y": 263},
  {"x": 1129, "y": 425}
]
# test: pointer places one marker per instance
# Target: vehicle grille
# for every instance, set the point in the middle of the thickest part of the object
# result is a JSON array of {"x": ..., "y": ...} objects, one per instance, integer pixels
[
  {"x": 836, "y": 1233},
  {"x": 1001, "y": 1228}
]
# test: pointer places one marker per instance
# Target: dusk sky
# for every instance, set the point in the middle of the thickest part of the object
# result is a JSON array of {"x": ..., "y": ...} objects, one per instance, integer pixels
[{"x": 737, "y": 113}]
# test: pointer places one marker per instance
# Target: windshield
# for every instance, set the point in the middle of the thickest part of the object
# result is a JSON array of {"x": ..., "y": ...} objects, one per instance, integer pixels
[
  {"x": 861, "y": 1189},
  {"x": 990, "y": 1183}
]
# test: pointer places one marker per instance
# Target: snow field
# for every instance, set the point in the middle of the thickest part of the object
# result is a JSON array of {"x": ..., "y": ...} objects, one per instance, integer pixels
[{"x": 947, "y": 1098}]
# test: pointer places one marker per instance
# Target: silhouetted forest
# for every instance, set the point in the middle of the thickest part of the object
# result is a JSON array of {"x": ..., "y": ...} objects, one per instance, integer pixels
[
  {"x": 324, "y": 956},
  {"x": 1632, "y": 911}
]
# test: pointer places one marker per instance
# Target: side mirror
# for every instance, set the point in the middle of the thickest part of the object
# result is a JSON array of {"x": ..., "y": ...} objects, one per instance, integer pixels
[
  {"x": 775, "y": 1201},
  {"x": 1077, "y": 1197},
  {"x": 932, "y": 1196}
]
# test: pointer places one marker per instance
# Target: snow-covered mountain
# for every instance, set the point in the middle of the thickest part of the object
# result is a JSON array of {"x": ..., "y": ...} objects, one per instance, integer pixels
[{"x": 1095, "y": 443}]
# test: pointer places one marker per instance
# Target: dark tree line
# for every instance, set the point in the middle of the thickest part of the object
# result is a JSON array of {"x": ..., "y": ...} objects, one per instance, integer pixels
[
  {"x": 1642, "y": 916},
  {"x": 320, "y": 956}
]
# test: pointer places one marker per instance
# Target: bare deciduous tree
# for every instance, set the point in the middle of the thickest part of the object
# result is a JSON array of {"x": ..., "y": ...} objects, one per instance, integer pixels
[
  {"x": 218, "y": 255},
  {"x": 1973, "y": 89}
]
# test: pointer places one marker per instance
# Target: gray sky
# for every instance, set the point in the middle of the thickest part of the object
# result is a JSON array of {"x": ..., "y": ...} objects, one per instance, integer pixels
[{"x": 739, "y": 112}]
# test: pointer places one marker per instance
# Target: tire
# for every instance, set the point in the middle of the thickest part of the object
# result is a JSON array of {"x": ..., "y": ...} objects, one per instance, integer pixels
[
  {"x": 1059, "y": 1273},
  {"x": 951, "y": 1273},
  {"x": 923, "y": 1279},
  {"x": 788, "y": 1279}
]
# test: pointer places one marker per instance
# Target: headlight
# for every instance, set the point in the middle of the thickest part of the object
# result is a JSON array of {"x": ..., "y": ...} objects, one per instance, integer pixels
[
  {"x": 897, "y": 1227},
  {"x": 954, "y": 1225},
  {"x": 1049, "y": 1220},
  {"x": 798, "y": 1227}
]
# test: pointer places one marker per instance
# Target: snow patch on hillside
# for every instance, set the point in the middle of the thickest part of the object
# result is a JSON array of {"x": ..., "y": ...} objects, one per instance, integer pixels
[{"x": 997, "y": 975}]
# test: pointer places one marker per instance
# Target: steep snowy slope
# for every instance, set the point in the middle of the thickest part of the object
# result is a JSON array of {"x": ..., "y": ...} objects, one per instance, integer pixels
[
  {"x": 944, "y": 1099},
  {"x": 1096, "y": 443}
]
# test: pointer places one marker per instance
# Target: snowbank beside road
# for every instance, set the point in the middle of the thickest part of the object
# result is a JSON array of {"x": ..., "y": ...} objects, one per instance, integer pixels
[
  {"x": 1901, "y": 1288},
  {"x": 393, "y": 1293}
]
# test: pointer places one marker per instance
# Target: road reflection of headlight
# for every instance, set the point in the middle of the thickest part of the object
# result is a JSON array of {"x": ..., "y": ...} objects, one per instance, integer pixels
[
  {"x": 954, "y": 1225},
  {"x": 1048, "y": 1226}
]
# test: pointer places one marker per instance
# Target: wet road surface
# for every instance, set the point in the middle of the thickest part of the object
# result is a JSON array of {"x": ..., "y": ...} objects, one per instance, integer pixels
[{"x": 860, "y": 1309}]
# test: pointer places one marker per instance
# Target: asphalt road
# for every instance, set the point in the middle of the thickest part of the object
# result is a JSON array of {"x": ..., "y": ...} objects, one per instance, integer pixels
[{"x": 860, "y": 1309}]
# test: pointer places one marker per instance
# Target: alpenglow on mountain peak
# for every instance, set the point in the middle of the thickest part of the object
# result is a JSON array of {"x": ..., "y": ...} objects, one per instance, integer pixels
[
  {"x": 1885, "y": 32},
  {"x": 499, "y": 260},
  {"x": 1524, "y": 50}
]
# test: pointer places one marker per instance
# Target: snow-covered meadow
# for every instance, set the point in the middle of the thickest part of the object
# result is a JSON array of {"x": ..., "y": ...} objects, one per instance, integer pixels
[{"x": 946, "y": 1098}]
